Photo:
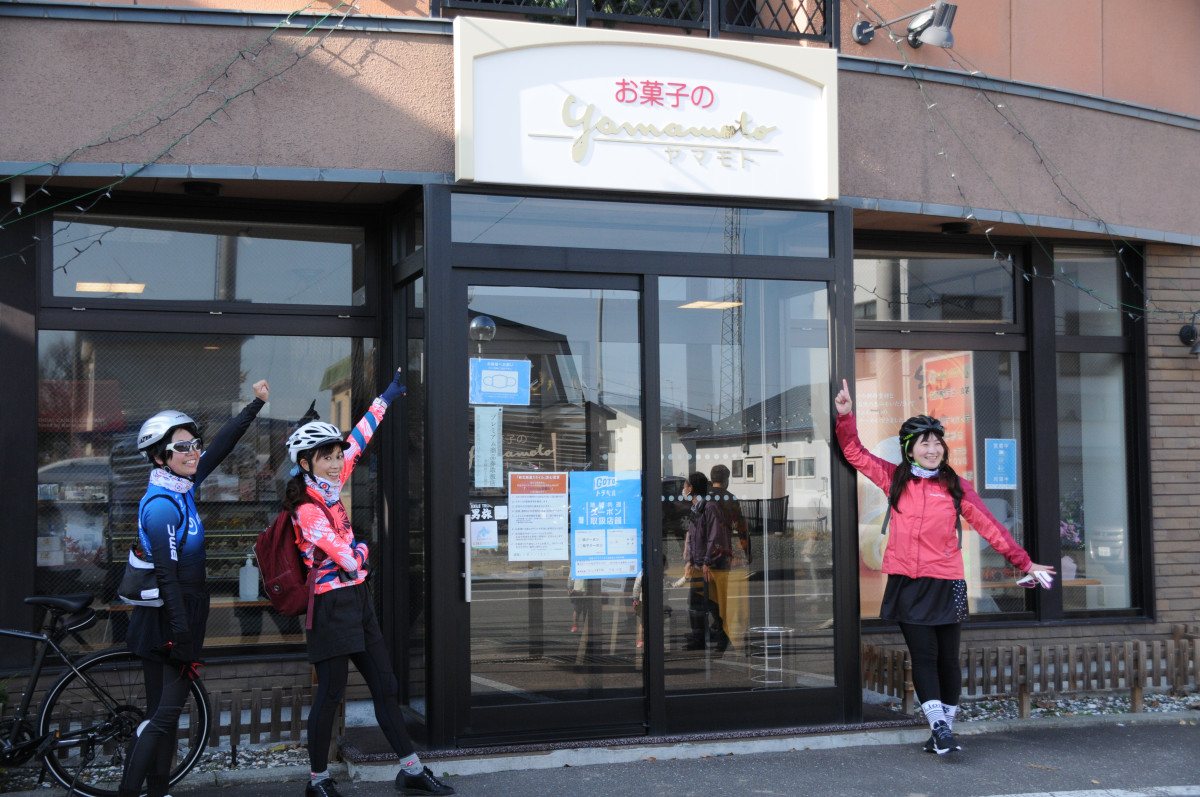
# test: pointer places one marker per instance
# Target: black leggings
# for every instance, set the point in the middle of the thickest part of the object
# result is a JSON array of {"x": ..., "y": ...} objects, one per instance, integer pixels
[
  {"x": 166, "y": 692},
  {"x": 376, "y": 670},
  {"x": 935, "y": 669}
]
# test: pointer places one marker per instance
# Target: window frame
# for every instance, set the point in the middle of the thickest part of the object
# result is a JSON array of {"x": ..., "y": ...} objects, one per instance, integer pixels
[
  {"x": 212, "y": 317},
  {"x": 899, "y": 246},
  {"x": 1131, "y": 346},
  {"x": 1034, "y": 337},
  {"x": 366, "y": 219}
]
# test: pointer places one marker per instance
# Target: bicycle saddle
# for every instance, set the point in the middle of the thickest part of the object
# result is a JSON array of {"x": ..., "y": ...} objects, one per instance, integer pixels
[{"x": 62, "y": 603}]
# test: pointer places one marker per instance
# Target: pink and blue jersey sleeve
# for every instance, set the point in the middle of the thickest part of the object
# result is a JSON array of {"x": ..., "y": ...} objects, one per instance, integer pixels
[{"x": 362, "y": 433}]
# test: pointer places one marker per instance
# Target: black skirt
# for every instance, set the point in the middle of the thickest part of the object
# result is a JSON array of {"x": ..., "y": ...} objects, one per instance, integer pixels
[
  {"x": 924, "y": 601},
  {"x": 343, "y": 623}
]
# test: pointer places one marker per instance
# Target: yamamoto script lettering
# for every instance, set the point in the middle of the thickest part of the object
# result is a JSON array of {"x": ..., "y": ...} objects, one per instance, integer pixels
[{"x": 591, "y": 123}]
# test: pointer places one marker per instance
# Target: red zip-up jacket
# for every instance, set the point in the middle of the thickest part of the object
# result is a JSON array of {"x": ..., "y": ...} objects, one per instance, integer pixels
[{"x": 922, "y": 540}]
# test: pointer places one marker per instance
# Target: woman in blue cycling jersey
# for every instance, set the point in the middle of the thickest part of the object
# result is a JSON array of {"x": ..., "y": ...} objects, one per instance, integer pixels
[{"x": 167, "y": 637}]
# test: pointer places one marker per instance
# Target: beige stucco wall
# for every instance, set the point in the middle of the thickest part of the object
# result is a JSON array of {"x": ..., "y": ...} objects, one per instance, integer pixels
[
  {"x": 1122, "y": 169},
  {"x": 385, "y": 101},
  {"x": 357, "y": 101}
]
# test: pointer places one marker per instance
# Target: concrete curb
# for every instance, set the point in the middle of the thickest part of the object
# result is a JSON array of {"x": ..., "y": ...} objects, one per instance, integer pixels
[
  {"x": 575, "y": 757},
  {"x": 586, "y": 756}
]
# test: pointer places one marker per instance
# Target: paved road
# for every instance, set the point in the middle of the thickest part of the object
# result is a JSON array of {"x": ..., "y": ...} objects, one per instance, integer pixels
[{"x": 1159, "y": 758}]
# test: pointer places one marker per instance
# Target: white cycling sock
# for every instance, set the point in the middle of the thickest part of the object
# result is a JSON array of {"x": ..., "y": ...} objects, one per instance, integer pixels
[
  {"x": 934, "y": 712},
  {"x": 412, "y": 765},
  {"x": 950, "y": 711},
  {"x": 317, "y": 777}
]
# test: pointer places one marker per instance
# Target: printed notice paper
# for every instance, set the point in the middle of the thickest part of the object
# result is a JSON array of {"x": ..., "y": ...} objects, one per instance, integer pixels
[{"x": 537, "y": 517}]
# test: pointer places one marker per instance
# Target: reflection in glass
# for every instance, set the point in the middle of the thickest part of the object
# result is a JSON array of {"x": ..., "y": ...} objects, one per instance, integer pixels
[
  {"x": 1093, "y": 505},
  {"x": 1087, "y": 292},
  {"x": 94, "y": 391},
  {"x": 555, "y": 493},
  {"x": 413, "y": 468},
  {"x": 745, "y": 391},
  {"x": 178, "y": 259},
  {"x": 579, "y": 224},
  {"x": 976, "y": 395},
  {"x": 932, "y": 287}
]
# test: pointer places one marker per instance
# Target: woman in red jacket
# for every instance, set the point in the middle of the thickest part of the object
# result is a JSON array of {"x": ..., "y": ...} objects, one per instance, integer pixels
[{"x": 926, "y": 591}]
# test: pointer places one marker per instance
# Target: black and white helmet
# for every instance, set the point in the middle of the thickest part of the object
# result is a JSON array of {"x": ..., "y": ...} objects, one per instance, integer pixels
[
  {"x": 157, "y": 427},
  {"x": 311, "y": 435}
]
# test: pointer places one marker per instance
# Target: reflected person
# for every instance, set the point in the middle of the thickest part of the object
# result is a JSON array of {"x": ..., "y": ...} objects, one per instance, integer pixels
[
  {"x": 733, "y": 601},
  {"x": 705, "y": 565}
]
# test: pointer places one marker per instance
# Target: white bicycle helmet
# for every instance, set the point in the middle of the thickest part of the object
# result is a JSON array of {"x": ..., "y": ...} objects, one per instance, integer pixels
[
  {"x": 311, "y": 435},
  {"x": 157, "y": 426}
]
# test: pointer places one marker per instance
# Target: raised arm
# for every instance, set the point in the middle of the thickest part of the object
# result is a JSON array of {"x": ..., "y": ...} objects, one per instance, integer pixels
[
  {"x": 364, "y": 430},
  {"x": 224, "y": 440},
  {"x": 878, "y": 470}
]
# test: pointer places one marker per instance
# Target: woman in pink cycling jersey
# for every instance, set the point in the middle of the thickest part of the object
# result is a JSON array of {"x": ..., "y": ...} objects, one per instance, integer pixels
[
  {"x": 926, "y": 591},
  {"x": 342, "y": 627}
]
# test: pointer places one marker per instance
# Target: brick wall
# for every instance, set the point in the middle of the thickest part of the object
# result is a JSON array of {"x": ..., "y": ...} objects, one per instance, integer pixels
[{"x": 1173, "y": 283}]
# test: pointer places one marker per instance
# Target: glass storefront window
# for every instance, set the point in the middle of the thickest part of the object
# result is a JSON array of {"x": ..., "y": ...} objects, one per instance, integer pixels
[
  {"x": 1092, "y": 474},
  {"x": 1087, "y": 292},
  {"x": 977, "y": 397},
  {"x": 580, "y": 224},
  {"x": 555, "y": 493},
  {"x": 226, "y": 261},
  {"x": 745, "y": 397},
  {"x": 924, "y": 287},
  {"x": 96, "y": 388}
]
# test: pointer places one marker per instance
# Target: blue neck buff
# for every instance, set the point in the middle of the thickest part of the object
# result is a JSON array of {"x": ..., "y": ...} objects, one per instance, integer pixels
[{"x": 918, "y": 471}]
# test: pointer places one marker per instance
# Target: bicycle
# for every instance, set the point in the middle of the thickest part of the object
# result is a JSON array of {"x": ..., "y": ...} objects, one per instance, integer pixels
[{"x": 89, "y": 718}]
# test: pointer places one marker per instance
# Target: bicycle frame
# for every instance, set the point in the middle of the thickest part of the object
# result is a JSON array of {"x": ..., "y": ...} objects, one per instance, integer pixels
[{"x": 43, "y": 643}]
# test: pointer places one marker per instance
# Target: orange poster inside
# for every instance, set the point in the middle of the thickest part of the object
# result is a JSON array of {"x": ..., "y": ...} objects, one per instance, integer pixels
[{"x": 950, "y": 397}]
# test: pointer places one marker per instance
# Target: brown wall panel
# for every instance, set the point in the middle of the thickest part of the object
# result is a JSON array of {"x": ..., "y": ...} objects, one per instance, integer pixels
[{"x": 355, "y": 101}]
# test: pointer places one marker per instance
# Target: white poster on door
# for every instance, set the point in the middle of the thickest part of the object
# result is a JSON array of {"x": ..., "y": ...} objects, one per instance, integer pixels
[
  {"x": 489, "y": 450},
  {"x": 538, "y": 517}
]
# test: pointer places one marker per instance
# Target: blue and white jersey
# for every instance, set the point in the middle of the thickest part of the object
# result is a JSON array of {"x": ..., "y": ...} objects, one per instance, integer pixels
[{"x": 171, "y": 536}]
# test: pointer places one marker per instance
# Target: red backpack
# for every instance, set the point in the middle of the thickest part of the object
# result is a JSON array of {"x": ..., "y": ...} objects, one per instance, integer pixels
[{"x": 289, "y": 585}]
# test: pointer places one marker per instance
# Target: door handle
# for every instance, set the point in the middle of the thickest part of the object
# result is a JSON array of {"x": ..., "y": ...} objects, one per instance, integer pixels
[{"x": 467, "y": 558}]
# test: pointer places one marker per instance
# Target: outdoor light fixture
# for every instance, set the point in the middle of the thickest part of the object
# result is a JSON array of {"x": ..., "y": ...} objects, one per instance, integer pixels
[
  {"x": 1190, "y": 336},
  {"x": 929, "y": 26}
]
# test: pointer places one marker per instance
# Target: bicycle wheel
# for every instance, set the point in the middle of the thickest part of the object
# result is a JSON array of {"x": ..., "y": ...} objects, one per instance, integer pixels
[{"x": 96, "y": 714}]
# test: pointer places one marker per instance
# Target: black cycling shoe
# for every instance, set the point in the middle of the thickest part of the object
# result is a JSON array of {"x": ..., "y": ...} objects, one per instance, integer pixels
[
  {"x": 322, "y": 788},
  {"x": 943, "y": 740},
  {"x": 931, "y": 744},
  {"x": 424, "y": 783}
]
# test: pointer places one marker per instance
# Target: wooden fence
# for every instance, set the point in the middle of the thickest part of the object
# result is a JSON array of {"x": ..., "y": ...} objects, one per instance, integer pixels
[
  {"x": 256, "y": 716},
  {"x": 1022, "y": 671}
]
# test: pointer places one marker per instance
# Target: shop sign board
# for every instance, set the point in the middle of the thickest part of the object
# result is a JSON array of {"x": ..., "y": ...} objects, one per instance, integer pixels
[{"x": 551, "y": 105}]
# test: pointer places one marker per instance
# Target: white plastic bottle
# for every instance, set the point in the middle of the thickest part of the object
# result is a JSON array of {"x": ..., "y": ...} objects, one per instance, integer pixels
[{"x": 248, "y": 580}]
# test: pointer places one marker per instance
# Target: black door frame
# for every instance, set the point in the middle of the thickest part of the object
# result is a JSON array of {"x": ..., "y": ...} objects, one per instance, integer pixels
[{"x": 450, "y": 268}]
